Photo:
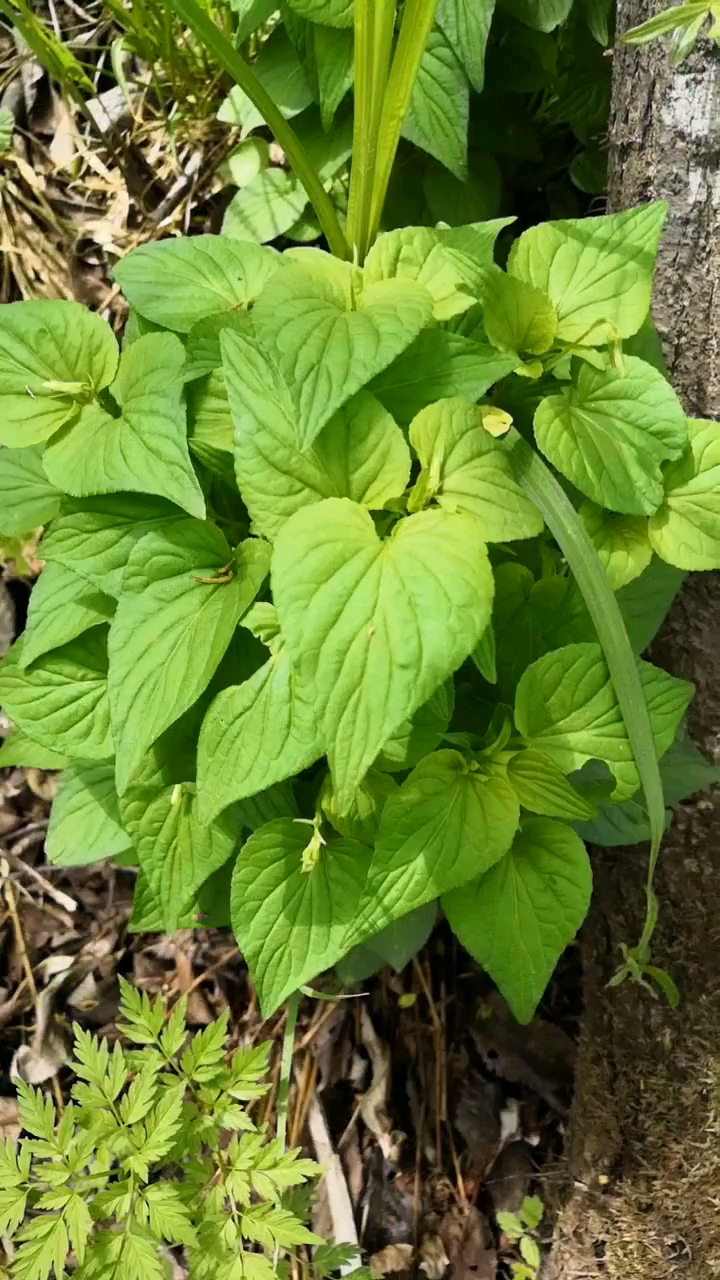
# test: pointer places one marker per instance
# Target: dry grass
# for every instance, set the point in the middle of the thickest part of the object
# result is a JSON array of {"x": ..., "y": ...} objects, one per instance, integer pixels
[{"x": 73, "y": 196}]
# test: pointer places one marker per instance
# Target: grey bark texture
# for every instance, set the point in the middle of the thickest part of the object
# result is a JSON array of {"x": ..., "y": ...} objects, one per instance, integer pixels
[{"x": 640, "y": 1188}]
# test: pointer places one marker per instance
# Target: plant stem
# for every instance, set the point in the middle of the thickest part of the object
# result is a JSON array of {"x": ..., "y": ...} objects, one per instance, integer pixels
[
  {"x": 243, "y": 75},
  {"x": 286, "y": 1065},
  {"x": 374, "y": 25},
  {"x": 417, "y": 21},
  {"x": 569, "y": 532}
]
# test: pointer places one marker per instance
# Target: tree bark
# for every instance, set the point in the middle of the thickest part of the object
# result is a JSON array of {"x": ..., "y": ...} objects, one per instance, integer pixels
[{"x": 642, "y": 1178}]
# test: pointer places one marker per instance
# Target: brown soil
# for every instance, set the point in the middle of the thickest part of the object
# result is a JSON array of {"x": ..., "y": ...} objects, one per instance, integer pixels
[{"x": 643, "y": 1155}]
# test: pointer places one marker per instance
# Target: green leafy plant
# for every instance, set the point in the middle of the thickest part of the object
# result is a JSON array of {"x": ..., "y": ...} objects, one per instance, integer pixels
[
  {"x": 520, "y": 1228},
  {"x": 350, "y": 562},
  {"x": 156, "y": 1150}
]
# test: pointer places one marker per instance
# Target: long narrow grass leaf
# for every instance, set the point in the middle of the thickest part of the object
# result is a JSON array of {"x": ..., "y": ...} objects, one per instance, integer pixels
[
  {"x": 417, "y": 21},
  {"x": 566, "y": 527},
  {"x": 236, "y": 66},
  {"x": 374, "y": 25}
]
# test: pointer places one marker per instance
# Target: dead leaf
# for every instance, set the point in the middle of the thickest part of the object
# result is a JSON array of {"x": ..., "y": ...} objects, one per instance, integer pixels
[
  {"x": 539, "y": 1055},
  {"x": 9, "y": 1126},
  {"x": 63, "y": 148},
  {"x": 50, "y": 1047},
  {"x": 373, "y": 1104},
  {"x": 469, "y": 1244},
  {"x": 391, "y": 1259},
  {"x": 434, "y": 1258}
]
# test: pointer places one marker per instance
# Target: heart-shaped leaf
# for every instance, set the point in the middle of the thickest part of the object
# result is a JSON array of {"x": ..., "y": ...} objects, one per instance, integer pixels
[
  {"x": 53, "y": 357},
  {"x": 144, "y": 448},
  {"x": 517, "y": 919},
  {"x": 375, "y": 625},
  {"x": 360, "y": 454},
  {"x": 330, "y": 336},
  {"x": 291, "y": 905}
]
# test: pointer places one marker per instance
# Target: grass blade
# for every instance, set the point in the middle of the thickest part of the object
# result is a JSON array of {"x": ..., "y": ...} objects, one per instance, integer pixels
[
  {"x": 417, "y": 21},
  {"x": 374, "y": 26},
  {"x": 243, "y": 75},
  {"x": 535, "y": 477}
]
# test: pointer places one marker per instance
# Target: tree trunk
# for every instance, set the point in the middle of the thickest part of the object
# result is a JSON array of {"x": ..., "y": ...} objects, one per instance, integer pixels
[{"x": 642, "y": 1181}]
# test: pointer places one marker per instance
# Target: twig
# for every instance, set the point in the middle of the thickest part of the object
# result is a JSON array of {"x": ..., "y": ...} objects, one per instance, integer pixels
[
  {"x": 437, "y": 1043},
  {"x": 339, "y": 1202},
  {"x": 18, "y": 931},
  {"x": 212, "y": 968},
  {"x": 306, "y": 1088},
  {"x": 327, "y": 1012},
  {"x": 25, "y": 960},
  {"x": 57, "y": 895}
]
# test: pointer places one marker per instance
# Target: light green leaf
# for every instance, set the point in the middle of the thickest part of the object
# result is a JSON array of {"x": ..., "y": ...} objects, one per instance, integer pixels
[
  {"x": 255, "y": 734},
  {"x": 145, "y": 448},
  {"x": 418, "y": 253},
  {"x": 530, "y": 618},
  {"x": 466, "y": 24},
  {"x": 435, "y": 366},
  {"x": 464, "y": 469},
  {"x": 566, "y": 708},
  {"x": 375, "y": 625},
  {"x": 94, "y": 538},
  {"x": 597, "y": 271},
  {"x": 645, "y": 601},
  {"x": 437, "y": 119},
  {"x": 168, "y": 1214},
  {"x": 541, "y": 15},
  {"x": 447, "y": 824},
  {"x": 27, "y": 499},
  {"x": 416, "y": 738},
  {"x": 542, "y": 787},
  {"x": 685, "y": 530},
  {"x": 175, "y": 283},
  {"x": 62, "y": 606},
  {"x": 395, "y": 946},
  {"x": 334, "y": 13},
  {"x": 171, "y": 630},
  {"x": 609, "y": 434},
  {"x": 360, "y": 454},
  {"x": 472, "y": 246},
  {"x": 677, "y": 16},
  {"x": 622, "y": 543},
  {"x": 516, "y": 315},
  {"x": 484, "y": 655},
  {"x": 329, "y": 342},
  {"x": 333, "y": 63},
  {"x": 175, "y": 852},
  {"x": 684, "y": 771},
  {"x": 461, "y": 203},
  {"x": 249, "y": 15},
  {"x": 281, "y": 73},
  {"x": 266, "y": 208},
  {"x": 517, "y": 919},
  {"x": 44, "y": 1245},
  {"x": 290, "y": 923},
  {"x": 85, "y": 819},
  {"x": 19, "y": 750},
  {"x": 202, "y": 347},
  {"x": 61, "y": 701},
  {"x": 209, "y": 421},
  {"x": 53, "y": 356},
  {"x": 327, "y": 150},
  {"x": 362, "y": 818}
]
